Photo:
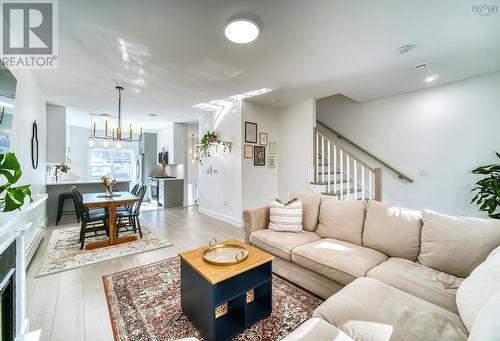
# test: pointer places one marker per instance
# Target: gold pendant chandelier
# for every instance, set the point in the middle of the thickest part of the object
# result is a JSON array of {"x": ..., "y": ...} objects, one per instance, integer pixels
[{"x": 117, "y": 135}]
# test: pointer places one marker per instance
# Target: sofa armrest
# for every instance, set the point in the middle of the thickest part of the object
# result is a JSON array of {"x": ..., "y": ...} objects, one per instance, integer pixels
[{"x": 255, "y": 219}]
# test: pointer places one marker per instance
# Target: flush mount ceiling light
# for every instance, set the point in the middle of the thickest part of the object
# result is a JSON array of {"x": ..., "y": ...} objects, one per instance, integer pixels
[
  {"x": 243, "y": 28},
  {"x": 431, "y": 78}
]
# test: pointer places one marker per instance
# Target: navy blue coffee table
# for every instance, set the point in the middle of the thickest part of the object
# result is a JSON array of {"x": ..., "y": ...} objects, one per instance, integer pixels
[{"x": 224, "y": 300}]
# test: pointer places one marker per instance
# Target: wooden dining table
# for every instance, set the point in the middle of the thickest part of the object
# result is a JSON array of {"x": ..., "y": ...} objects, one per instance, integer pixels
[{"x": 98, "y": 200}]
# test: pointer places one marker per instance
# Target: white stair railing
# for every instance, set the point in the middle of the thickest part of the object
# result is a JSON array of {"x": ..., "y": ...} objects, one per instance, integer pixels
[{"x": 343, "y": 174}]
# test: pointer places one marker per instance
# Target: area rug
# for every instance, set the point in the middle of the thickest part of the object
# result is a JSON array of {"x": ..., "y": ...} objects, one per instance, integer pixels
[
  {"x": 144, "y": 304},
  {"x": 63, "y": 250}
]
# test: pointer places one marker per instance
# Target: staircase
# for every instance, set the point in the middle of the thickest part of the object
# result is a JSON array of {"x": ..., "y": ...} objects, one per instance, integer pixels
[{"x": 340, "y": 174}]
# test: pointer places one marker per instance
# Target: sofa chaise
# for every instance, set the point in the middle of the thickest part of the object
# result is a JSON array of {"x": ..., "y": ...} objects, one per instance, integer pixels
[{"x": 387, "y": 273}]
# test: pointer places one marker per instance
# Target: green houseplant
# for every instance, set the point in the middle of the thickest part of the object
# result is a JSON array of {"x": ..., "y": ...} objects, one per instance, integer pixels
[
  {"x": 60, "y": 168},
  {"x": 488, "y": 189},
  {"x": 12, "y": 197},
  {"x": 208, "y": 141}
]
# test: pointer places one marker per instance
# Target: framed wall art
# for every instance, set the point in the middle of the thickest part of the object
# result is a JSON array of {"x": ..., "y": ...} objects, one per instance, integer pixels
[
  {"x": 263, "y": 139},
  {"x": 259, "y": 156},
  {"x": 247, "y": 151},
  {"x": 250, "y": 132},
  {"x": 273, "y": 148},
  {"x": 272, "y": 162}
]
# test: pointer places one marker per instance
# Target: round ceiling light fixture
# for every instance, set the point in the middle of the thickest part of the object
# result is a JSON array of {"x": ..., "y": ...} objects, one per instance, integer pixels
[
  {"x": 242, "y": 28},
  {"x": 431, "y": 78}
]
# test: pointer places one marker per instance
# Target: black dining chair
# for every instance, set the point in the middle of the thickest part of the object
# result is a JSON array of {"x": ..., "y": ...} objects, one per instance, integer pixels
[
  {"x": 131, "y": 216},
  {"x": 91, "y": 221},
  {"x": 135, "y": 189},
  {"x": 129, "y": 206},
  {"x": 91, "y": 210}
]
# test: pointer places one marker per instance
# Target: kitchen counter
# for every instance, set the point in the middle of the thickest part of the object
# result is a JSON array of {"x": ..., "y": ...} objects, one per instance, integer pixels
[
  {"x": 171, "y": 192},
  {"x": 84, "y": 186},
  {"x": 81, "y": 182}
]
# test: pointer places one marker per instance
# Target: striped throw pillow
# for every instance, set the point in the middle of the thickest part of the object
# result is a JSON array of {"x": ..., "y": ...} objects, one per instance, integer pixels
[{"x": 286, "y": 217}]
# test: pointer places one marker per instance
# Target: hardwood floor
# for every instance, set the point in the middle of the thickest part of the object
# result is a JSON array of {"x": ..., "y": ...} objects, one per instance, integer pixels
[{"x": 72, "y": 306}]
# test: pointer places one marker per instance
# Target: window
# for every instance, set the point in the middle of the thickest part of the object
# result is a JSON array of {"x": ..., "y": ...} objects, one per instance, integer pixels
[{"x": 117, "y": 164}]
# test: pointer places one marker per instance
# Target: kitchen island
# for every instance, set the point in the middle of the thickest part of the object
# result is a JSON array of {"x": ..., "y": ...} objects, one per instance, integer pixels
[{"x": 84, "y": 186}]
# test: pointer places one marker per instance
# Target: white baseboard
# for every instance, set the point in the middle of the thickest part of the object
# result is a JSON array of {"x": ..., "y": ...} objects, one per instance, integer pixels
[{"x": 225, "y": 218}]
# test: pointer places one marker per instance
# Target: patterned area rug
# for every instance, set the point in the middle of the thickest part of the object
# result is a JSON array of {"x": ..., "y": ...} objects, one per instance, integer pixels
[
  {"x": 63, "y": 250},
  {"x": 144, "y": 304}
]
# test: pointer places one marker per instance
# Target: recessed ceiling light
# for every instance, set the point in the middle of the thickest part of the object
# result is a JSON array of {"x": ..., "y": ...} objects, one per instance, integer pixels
[
  {"x": 404, "y": 49},
  {"x": 241, "y": 30},
  {"x": 431, "y": 78},
  {"x": 420, "y": 66},
  {"x": 153, "y": 115}
]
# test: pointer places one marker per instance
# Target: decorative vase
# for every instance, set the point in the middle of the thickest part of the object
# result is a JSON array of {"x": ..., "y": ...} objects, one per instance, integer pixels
[{"x": 109, "y": 191}]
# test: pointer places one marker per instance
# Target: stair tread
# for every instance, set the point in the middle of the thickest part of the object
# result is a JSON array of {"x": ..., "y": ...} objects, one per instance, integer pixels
[
  {"x": 345, "y": 191},
  {"x": 331, "y": 182}
]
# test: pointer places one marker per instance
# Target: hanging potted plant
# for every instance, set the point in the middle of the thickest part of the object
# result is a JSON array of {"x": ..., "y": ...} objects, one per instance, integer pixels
[
  {"x": 12, "y": 197},
  {"x": 208, "y": 142},
  {"x": 488, "y": 189}
]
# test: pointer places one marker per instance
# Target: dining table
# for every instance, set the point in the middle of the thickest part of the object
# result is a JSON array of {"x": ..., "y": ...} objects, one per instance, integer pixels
[{"x": 100, "y": 200}]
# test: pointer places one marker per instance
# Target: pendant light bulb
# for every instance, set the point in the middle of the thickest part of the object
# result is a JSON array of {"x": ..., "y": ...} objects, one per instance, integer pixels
[
  {"x": 105, "y": 144},
  {"x": 118, "y": 144},
  {"x": 91, "y": 142}
]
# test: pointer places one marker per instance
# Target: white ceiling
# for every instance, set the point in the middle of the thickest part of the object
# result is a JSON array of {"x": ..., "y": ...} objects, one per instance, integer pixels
[{"x": 171, "y": 54}]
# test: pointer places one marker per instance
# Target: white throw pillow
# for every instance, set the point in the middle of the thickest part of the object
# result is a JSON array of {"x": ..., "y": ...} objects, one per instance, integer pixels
[
  {"x": 485, "y": 327},
  {"x": 477, "y": 289},
  {"x": 286, "y": 217}
]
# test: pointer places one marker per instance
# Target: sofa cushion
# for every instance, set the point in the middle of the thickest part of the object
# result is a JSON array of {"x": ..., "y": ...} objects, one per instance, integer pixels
[
  {"x": 391, "y": 230},
  {"x": 342, "y": 219},
  {"x": 368, "y": 309},
  {"x": 281, "y": 244},
  {"x": 485, "y": 327},
  {"x": 336, "y": 259},
  {"x": 310, "y": 209},
  {"x": 482, "y": 284},
  {"x": 317, "y": 329},
  {"x": 456, "y": 245},
  {"x": 428, "y": 284}
]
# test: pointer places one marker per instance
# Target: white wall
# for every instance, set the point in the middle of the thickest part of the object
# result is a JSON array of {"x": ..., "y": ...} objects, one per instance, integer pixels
[
  {"x": 443, "y": 131},
  {"x": 295, "y": 151},
  {"x": 29, "y": 106},
  {"x": 259, "y": 183},
  {"x": 220, "y": 176}
]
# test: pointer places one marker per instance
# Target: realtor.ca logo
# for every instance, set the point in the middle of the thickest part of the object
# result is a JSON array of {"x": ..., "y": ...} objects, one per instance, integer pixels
[
  {"x": 29, "y": 34},
  {"x": 484, "y": 10}
]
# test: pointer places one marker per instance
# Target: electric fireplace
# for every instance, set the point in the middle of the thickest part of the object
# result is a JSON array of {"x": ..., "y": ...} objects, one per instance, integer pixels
[{"x": 8, "y": 293}]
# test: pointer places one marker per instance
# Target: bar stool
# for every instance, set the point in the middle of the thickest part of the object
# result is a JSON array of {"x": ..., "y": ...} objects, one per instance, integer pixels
[{"x": 60, "y": 206}]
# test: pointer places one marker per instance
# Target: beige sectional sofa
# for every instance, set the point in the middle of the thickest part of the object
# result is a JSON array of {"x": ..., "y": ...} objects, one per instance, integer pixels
[{"x": 387, "y": 273}]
